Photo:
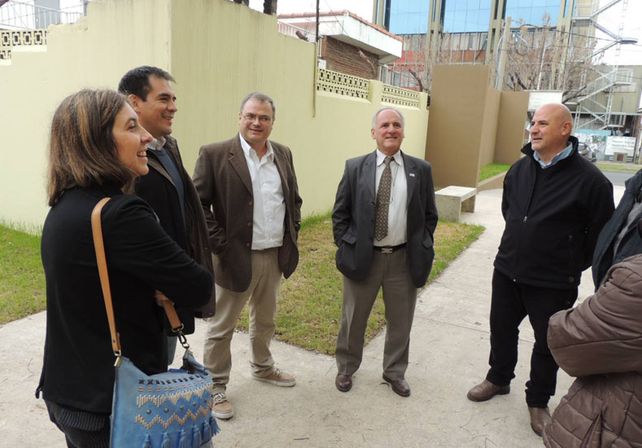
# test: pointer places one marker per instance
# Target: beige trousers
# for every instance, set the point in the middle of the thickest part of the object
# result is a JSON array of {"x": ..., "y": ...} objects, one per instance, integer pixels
[
  {"x": 389, "y": 272},
  {"x": 261, "y": 294}
]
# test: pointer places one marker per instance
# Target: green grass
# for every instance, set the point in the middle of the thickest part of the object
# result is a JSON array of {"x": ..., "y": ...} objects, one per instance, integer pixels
[
  {"x": 492, "y": 169},
  {"x": 618, "y": 167},
  {"x": 22, "y": 280},
  {"x": 309, "y": 307}
]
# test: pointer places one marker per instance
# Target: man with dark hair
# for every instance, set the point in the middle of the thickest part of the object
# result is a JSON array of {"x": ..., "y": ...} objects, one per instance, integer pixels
[
  {"x": 250, "y": 197},
  {"x": 168, "y": 188},
  {"x": 137, "y": 81},
  {"x": 555, "y": 202}
]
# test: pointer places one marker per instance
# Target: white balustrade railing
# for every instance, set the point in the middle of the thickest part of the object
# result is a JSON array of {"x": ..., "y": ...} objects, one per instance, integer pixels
[
  {"x": 342, "y": 84},
  {"x": 399, "y": 96},
  {"x": 29, "y": 38}
]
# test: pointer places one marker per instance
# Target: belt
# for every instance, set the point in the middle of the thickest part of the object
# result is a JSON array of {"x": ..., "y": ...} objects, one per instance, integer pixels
[{"x": 389, "y": 249}]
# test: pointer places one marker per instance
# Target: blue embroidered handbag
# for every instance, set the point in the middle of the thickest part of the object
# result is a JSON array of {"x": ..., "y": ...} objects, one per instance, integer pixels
[
  {"x": 172, "y": 409},
  {"x": 166, "y": 410}
]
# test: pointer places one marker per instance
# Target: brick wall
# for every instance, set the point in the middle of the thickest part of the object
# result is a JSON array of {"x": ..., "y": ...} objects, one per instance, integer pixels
[{"x": 345, "y": 58}]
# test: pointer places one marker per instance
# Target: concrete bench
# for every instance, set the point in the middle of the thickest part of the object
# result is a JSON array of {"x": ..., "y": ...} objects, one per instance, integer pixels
[{"x": 451, "y": 201}]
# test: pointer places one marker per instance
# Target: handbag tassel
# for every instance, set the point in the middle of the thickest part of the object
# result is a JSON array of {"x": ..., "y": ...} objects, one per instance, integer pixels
[
  {"x": 183, "y": 442},
  {"x": 148, "y": 442},
  {"x": 166, "y": 442},
  {"x": 196, "y": 436},
  {"x": 207, "y": 431},
  {"x": 214, "y": 426}
]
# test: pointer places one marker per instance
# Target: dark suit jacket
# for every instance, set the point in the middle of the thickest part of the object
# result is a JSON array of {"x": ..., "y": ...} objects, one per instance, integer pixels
[
  {"x": 353, "y": 217},
  {"x": 223, "y": 182},
  {"x": 190, "y": 232},
  {"x": 78, "y": 367}
]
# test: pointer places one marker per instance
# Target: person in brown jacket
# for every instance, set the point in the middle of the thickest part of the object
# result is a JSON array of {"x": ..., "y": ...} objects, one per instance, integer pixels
[
  {"x": 250, "y": 198},
  {"x": 600, "y": 342}
]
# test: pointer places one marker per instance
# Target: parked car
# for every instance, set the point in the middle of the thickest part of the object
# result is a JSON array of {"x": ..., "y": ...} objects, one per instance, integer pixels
[{"x": 586, "y": 152}]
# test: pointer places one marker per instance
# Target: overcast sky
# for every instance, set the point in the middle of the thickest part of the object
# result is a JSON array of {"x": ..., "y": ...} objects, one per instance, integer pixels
[{"x": 632, "y": 27}]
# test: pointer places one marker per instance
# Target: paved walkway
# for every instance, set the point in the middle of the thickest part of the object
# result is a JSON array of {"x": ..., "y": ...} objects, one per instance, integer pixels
[{"x": 448, "y": 355}]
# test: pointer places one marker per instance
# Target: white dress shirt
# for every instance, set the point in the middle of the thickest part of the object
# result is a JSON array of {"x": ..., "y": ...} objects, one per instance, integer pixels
[
  {"x": 398, "y": 210},
  {"x": 269, "y": 204}
]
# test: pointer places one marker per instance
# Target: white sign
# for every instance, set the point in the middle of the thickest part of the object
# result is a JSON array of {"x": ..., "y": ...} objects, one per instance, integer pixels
[
  {"x": 620, "y": 145},
  {"x": 537, "y": 98}
]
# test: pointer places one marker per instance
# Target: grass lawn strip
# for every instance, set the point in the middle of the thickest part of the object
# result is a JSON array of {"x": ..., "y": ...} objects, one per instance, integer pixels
[
  {"x": 309, "y": 306},
  {"x": 492, "y": 169},
  {"x": 617, "y": 167},
  {"x": 22, "y": 279}
]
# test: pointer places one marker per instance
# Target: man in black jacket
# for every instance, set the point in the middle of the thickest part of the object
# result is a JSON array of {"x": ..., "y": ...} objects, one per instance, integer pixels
[
  {"x": 554, "y": 203},
  {"x": 619, "y": 238},
  {"x": 167, "y": 187}
]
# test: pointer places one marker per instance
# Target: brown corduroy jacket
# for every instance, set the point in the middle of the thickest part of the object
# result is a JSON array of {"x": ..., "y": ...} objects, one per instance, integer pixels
[{"x": 222, "y": 180}]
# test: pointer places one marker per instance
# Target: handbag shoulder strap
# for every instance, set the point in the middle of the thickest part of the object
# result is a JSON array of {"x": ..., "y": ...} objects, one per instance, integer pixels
[
  {"x": 99, "y": 247},
  {"x": 101, "y": 260}
]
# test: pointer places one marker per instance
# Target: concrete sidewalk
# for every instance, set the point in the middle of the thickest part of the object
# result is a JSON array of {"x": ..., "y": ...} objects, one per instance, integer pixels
[{"x": 448, "y": 355}]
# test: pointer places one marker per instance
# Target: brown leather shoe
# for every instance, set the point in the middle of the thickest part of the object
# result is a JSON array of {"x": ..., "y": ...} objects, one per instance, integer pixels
[
  {"x": 343, "y": 382},
  {"x": 399, "y": 386},
  {"x": 540, "y": 418},
  {"x": 486, "y": 390}
]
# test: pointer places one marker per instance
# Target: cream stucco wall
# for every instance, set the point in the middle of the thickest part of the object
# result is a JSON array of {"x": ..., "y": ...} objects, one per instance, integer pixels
[
  {"x": 471, "y": 124},
  {"x": 489, "y": 127},
  {"x": 456, "y": 127},
  {"x": 218, "y": 51},
  {"x": 231, "y": 51},
  {"x": 510, "y": 126},
  {"x": 94, "y": 52}
]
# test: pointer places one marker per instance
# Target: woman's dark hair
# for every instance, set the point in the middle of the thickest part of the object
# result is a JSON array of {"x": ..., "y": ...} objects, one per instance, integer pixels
[{"x": 82, "y": 150}]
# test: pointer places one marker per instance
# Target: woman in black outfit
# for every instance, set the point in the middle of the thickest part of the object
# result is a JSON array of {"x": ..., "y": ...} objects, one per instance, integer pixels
[{"x": 97, "y": 148}]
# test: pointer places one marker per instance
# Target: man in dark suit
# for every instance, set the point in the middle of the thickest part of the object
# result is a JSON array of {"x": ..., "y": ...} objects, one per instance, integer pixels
[
  {"x": 167, "y": 187},
  {"x": 249, "y": 193},
  {"x": 383, "y": 221}
]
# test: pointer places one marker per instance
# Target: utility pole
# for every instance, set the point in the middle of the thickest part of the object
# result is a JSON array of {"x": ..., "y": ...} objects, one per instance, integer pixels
[
  {"x": 316, "y": 38},
  {"x": 434, "y": 32},
  {"x": 503, "y": 54},
  {"x": 541, "y": 58}
]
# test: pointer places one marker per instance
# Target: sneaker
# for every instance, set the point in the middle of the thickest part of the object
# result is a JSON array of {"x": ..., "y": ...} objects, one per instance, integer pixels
[
  {"x": 278, "y": 378},
  {"x": 222, "y": 408}
]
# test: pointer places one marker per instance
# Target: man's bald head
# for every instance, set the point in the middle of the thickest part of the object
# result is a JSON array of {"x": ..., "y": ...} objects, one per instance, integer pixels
[
  {"x": 551, "y": 127},
  {"x": 560, "y": 110}
]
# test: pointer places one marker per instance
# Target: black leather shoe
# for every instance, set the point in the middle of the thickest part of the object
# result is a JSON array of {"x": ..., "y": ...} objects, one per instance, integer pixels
[
  {"x": 399, "y": 386},
  {"x": 540, "y": 418},
  {"x": 486, "y": 390},
  {"x": 343, "y": 382}
]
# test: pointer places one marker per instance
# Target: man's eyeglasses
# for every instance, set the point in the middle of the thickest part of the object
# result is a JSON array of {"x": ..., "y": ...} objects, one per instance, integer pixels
[{"x": 262, "y": 118}]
